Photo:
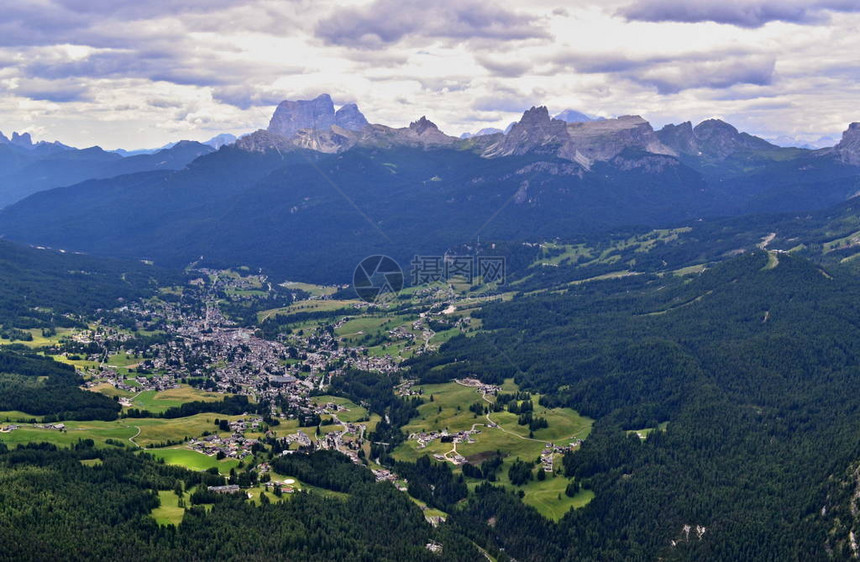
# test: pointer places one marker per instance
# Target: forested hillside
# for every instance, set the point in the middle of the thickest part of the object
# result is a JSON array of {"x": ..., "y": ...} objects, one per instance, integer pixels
[
  {"x": 38, "y": 286},
  {"x": 88, "y": 504},
  {"x": 283, "y": 210},
  {"x": 43, "y": 387},
  {"x": 750, "y": 367}
]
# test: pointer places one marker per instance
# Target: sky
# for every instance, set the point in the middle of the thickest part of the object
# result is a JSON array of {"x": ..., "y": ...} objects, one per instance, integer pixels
[{"x": 134, "y": 74}]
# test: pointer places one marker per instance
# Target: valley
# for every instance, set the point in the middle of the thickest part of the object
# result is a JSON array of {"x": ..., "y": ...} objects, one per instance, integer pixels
[{"x": 664, "y": 349}]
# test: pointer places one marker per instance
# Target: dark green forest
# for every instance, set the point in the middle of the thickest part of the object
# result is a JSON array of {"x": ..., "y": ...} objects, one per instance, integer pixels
[
  {"x": 754, "y": 369},
  {"x": 54, "y": 507},
  {"x": 41, "y": 287},
  {"x": 43, "y": 387}
]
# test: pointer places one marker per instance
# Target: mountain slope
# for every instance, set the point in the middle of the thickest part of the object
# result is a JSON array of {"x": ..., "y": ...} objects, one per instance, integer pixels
[
  {"x": 38, "y": 286},
  {"x": 27, "y": 171},
  {"x": 284, "y": 211},
  {"x": 750, "y": 364}
]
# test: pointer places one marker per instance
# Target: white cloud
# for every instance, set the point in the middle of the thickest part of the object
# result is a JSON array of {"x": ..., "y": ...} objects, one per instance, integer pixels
[{"x": 121, "y": 74}]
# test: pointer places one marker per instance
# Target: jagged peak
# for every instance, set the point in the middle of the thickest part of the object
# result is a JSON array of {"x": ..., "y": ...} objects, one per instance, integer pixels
[
  {"x": 349, "y": 117},
  {"x": 685, "y": 126},
  {"x": 423, "y": 125},
  {"x": 713, "y": 125},
  {"x": 851, "y": 134},
  {"x": 292, "y": 116},
  {"x": 537, "y": 114},
  {"x": 848, "y": 149},
  {"x": 23, "y": 139}
]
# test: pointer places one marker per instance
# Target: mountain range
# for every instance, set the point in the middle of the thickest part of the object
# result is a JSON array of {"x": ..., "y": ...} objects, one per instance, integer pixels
[
  {"x": 27, "y": 168},
  {"x": 319, "y": 188}
]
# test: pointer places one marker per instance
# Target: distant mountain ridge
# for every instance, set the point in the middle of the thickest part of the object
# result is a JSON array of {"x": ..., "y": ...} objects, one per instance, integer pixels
[
  {"x": 27, "y": 168},
  {"x": 572, "y": 135},
  {"x": 321, "y": 188}
]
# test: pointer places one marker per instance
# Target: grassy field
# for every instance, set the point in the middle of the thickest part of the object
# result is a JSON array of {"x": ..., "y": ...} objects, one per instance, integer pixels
[
  {"x": 158, "y": 402},
  {"x": 563, "y": 253},
  {"x": 39, "y": 340},
  {"x": 17, "y": 415},
  {"x": 310, "y": 306},
  {"x": 169, "y": 512},
  {"x": 314, "y": 290},
  {"x": 450, "y": 410},
  {"x": 97, "y": 431},
  {"x": 140, "y": 431},
  {"x": 548, "y": 497},
  {"x": 643, "y": 433},
  {"x": 123, "y": 360},
  {"x": 354, "y": 413},
  {"x": 193, "y": 460},
  {"x": 155, "y": 430},
  {"x": 79, "y": 363},
  {"x": 358, "y": 327},
  {"x": 110, "y": 390}
]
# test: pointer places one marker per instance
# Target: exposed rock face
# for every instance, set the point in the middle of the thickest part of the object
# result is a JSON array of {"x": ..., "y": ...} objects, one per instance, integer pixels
[
  {"x": 422, "y": 133},
  {"x": 603, "y": 140},
  {"x": 350, "y": 118},
  {"x": 713, "y": 138},
  {"x": 337, "y": 138},
  {"x": 535, "y": 132},
  {"x": 583, "y": 142},
  {"x": 848, "y": 149},
  {"x": 317, "y": 114},
  {"x": 679, "y": 137},
  {"x": 23, "y": 140},
  {"x": 264, "y": 141},
  {"x": 292, "y": 116},
  {"x": 574, "y": 136}
]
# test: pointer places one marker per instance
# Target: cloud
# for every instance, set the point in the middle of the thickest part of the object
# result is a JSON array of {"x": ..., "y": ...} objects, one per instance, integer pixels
[
  {"x": 385, "y": 22},
  {"x": 58, "y": 91},
  {"x": 245, "y": 97},
  {"x": 717, "y": 74},
  {"x": 93, "y": 22},
  {"x": 505, "y": 104},
  {"x": 506, "y": 68},
  {"x": 741, "y": 13},
  {"x": 155, "y": 62},
  {"x": 671, "y": 74}
]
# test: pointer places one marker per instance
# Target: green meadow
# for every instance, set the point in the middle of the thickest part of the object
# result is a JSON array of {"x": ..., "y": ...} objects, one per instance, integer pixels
[{"x": 449, "y": 411}]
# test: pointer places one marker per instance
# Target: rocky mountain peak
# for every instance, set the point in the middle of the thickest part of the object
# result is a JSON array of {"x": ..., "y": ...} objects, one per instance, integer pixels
[
  {"x": 423, "y": 125},
  {"x": 535, "y": 116},
  {"x": 3, "y": 138},
  {"x": 711, "y": 128},
  {"x": 534, "y": 132},
  {"x": 851, "y": 136},
  {"x": 713, "y": 139},
  {"x": 679, "y": 137},
  {"x": 848, "y": 149},
  {"x": 317, "y": 115},
  {"x": 350, "y": 118},
  {"x": 292, "y": 116},
  {"x": 23, "y": 140}
]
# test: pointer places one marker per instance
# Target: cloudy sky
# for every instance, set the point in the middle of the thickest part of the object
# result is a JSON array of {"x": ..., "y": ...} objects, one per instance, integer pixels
[{"x": 132, "y": 74}]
